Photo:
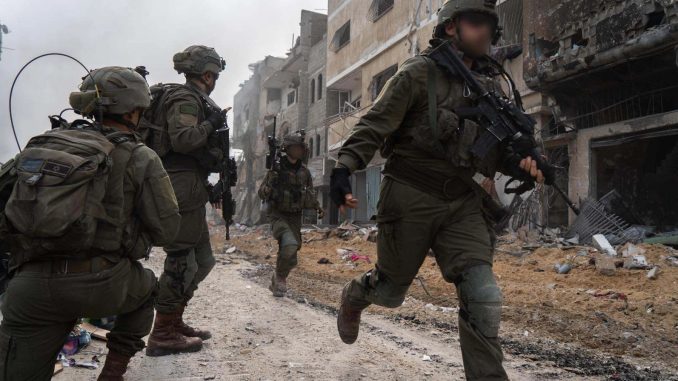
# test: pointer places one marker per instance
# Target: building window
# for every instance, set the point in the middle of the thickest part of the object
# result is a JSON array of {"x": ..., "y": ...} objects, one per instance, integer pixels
[
  {"x": 320, "y": 86},
  {"x": 379, "y": 8},
  {"x": 379, "y": 80},
  {"x": 291, "y": 97},
  {"x": 317, "y": 145},
  {"x": 341, "y": 37},
  {"x": 310, "y": 147},
  {"x": 313, "y": 91}
]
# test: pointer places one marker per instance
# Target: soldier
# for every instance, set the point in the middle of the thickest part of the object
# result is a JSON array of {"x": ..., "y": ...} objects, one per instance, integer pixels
[
  {"x": 288, "y": 191},
  {"x": 88, "y": 202},
  {"x": 427, "y": 198},
  {"x": 188, "y": 127}
]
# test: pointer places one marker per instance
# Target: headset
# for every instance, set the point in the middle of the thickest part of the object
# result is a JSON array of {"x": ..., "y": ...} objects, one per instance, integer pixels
[{"x": 98, "y": 107}]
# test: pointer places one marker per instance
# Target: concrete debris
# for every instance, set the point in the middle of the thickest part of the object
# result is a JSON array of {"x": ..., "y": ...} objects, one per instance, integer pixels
[
  {"x": 672, "y": 260},
  {"x": 605, "y": 265},
  {"x": 630, "y": 250},
  {"x": 425, "y": 358},
  {"x": 636, "y": 262},
  {"x": 603, "y": 245},
  {"x": 653, "y": 273},
  {"x": 231, "y": 250}
]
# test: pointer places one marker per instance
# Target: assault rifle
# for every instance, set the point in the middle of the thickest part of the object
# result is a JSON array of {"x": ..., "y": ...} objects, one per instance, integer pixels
[
  {"x": 273, "y": 155},
  {"x": 228, "y": 170},
  {"x": 500, "y": 119}
]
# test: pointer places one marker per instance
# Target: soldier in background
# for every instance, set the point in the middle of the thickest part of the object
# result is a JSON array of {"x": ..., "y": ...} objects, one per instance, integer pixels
[{"x": 288, "y": 191}]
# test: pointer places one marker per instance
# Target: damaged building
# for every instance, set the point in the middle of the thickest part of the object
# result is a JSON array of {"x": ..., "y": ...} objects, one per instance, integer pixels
[
  {"x": 607, "y": 74},
  {"x": 291, "y": 89},
  {"x": 367, "y": 41}
]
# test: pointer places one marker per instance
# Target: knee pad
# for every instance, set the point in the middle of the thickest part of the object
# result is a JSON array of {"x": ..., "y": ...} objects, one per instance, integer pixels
[
  {"x": 288, "y": 239},
  {"x": 289, "y": 254},
  {"x": 481, "y": 299}
]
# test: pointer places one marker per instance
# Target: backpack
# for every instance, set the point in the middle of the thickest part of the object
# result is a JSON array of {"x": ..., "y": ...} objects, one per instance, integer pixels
[
  {"x": 60, "y": 199},
  {"x": 153, "y": 123}
]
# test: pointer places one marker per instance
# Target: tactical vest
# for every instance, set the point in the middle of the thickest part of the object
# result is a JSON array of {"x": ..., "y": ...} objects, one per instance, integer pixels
[
  {"x": 68, "y": 198},
  {"x": 291, "y": 193},
  {"x": 437, "y": 130}
]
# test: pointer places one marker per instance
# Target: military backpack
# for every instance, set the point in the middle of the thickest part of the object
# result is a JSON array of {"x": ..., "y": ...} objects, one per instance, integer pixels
[{"x": 65, "y": 201}]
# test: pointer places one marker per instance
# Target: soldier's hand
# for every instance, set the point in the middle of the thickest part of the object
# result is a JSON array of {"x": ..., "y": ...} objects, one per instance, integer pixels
[
  {"x": 217, "y": 205},
  {"x": 349, "y": 202},
  {"x": 530, "y": 166},
  {"x": 321, "y": 213},
  {"x": 217, "y": 119},
  {"x": 340, "y": 189}
]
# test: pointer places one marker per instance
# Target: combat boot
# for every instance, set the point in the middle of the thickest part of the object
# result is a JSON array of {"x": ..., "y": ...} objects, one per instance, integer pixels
[
  {"x": 348, "y": 318},
  {"x": 165, "y": 340},
  {"x": 187, "y": 330},
  {"x": 114, "y": 367},
  {"x": 278, "y": 285}
]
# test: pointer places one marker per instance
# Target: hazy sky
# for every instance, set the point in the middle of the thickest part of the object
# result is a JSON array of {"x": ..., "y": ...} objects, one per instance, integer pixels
[{"x": 129, "y": 33}]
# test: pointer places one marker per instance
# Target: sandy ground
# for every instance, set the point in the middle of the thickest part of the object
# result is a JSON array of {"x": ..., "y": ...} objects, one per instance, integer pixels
[{"x": 258, "y": 337}]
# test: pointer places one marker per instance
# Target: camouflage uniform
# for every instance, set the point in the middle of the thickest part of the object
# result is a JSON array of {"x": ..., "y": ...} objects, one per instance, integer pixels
[
  {"x": 288, "y": 192},
  {"x": 46, "y": 296},
  {"x": 192, "y": 156},
  {"x": 427, "y": 201}
]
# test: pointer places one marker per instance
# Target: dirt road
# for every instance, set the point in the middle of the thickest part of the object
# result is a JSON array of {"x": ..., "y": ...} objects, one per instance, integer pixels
[{"x": 258, "y": 337}]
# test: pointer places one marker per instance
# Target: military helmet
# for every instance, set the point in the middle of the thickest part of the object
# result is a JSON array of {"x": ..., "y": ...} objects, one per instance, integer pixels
[
  {"x": 294, "y": 139},
  {"x": 197, "y": 60},
  {"x": 452, "y": 8},
  {"x": 117, "y": 90}
]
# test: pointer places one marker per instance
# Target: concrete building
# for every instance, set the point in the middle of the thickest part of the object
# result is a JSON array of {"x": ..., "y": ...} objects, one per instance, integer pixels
[
  {"x": 367, "y": 41},
  {"x": 608, "y": 70},
  {"x": 292, "y": 89}
]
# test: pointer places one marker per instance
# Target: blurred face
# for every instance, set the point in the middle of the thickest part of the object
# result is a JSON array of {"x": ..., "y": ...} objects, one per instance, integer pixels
[
  {"x": 476, "y": 29},
  {"x": 210, "y": 81},
  {"x": 134, "y": 116},
  {"x": 296, "y": 152}
]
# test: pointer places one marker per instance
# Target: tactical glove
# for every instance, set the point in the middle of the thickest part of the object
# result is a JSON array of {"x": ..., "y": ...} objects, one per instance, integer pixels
[
  {"x": 340, "y": 185},
  {"x": 217, "y": 119}
]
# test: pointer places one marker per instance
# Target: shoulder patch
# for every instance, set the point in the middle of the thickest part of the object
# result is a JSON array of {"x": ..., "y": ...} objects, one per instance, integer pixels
[{"x": 189, "y": 109}]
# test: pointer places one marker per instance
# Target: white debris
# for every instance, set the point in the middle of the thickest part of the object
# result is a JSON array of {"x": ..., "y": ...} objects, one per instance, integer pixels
[
  {"x": 601, "y": 243},
  {"x": 425, "y": 358},
  {"x": 635, "y": 262},
  {"x": 631, "y": 250},
  {"x": 652, "y": 274}
]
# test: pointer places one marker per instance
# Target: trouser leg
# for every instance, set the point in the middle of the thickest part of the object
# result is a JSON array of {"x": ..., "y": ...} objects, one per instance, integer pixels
[{"x": 464, "y": 251}]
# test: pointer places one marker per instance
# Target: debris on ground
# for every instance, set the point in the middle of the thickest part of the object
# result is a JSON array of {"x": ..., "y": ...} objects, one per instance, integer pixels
[
  {"x": 635, "y": 262},
  {"x": 96, "y": 332},
  {"x": 77, "y": 339},
  {"x": 653, "y": 273},
  {"x": 605, "y": 265},
  {"x": 588, "y": 306},
  {"x": 603, "y": 245}
]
